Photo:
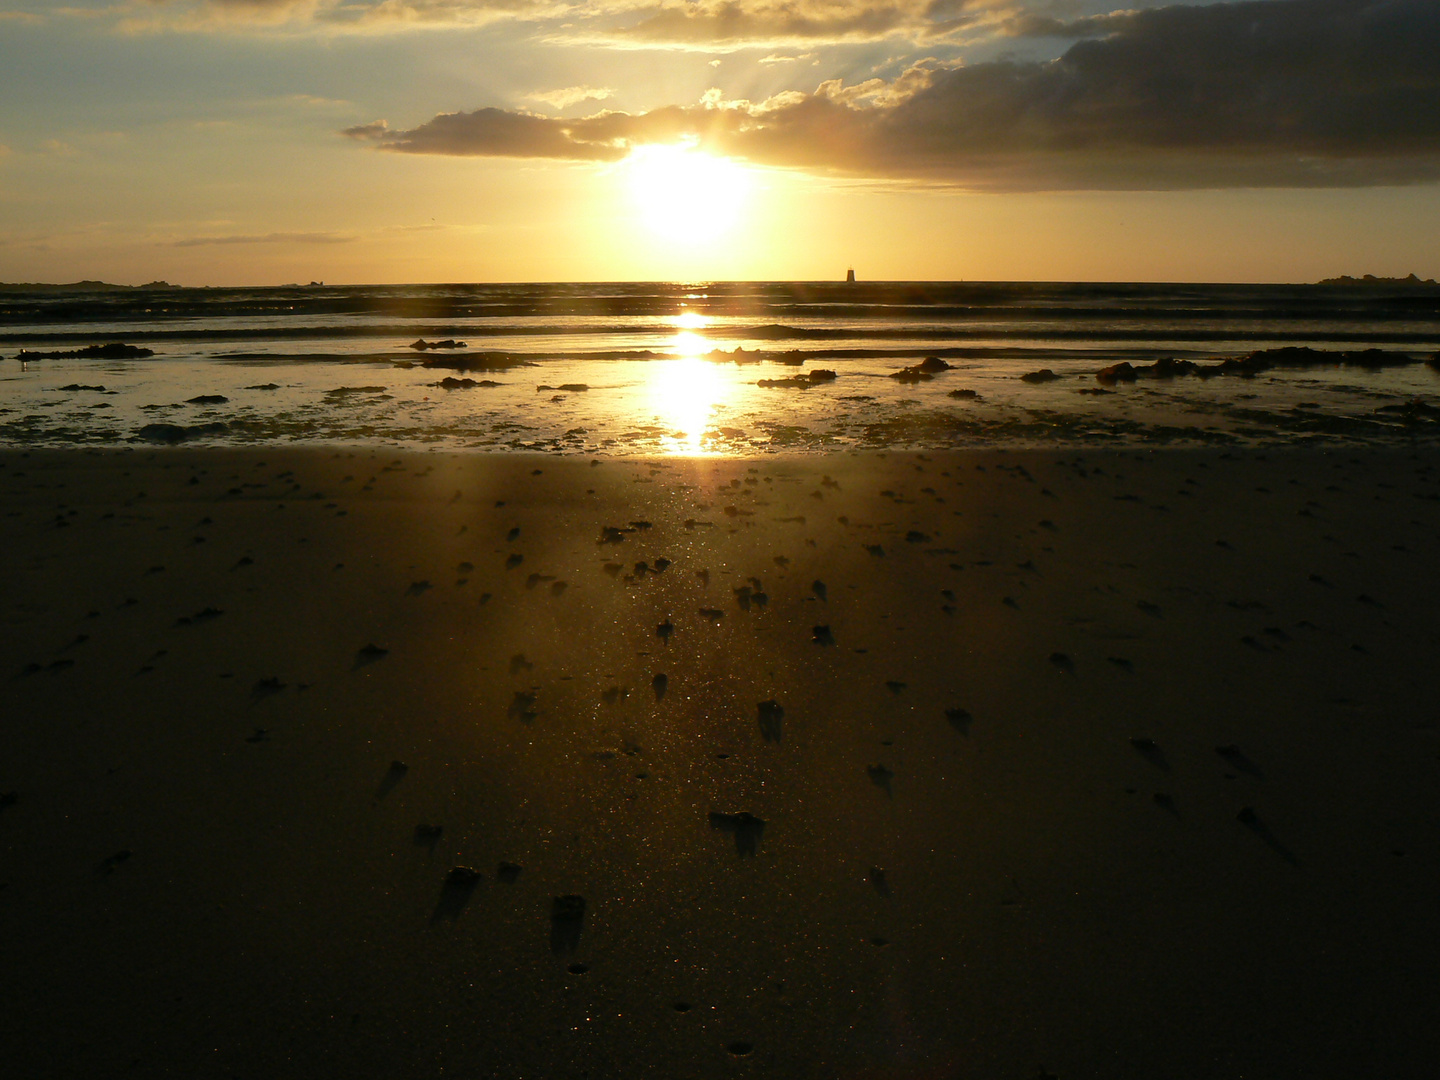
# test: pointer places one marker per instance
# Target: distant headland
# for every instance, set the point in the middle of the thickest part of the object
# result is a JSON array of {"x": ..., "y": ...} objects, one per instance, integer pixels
[
  {"x": 1371, "y": 281},
  {"x": 81, "y": 286}
]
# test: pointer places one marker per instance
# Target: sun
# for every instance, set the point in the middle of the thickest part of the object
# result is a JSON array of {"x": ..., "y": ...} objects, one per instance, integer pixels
[{"x": 685, "y": 194}]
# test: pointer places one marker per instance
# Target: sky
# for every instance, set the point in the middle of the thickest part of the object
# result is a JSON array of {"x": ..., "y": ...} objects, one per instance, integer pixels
[{"x": 255, "y": 142}]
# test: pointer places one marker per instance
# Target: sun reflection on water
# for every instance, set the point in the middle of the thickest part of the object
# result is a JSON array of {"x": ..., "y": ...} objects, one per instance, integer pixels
[
  {"x": 683, "y": 395},
  {"x": 688, "y": 344}
]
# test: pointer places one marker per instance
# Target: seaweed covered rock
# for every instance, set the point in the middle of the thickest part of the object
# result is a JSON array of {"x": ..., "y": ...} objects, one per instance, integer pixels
[{"x": 115, "y": 350}]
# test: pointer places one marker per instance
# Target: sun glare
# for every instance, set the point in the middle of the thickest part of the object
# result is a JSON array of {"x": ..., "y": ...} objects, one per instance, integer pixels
[{"x": 684, "y": 194}]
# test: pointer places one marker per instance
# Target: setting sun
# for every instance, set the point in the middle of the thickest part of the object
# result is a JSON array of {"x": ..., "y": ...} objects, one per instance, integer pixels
[{"x": 684, "y": 194}]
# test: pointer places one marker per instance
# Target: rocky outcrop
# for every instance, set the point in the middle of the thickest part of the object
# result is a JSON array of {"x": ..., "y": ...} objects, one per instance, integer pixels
[
  {"x": 924, "y": 371},
  {"x": 1290, "y": 357},
  {"x": 115, "y": 350},
  {"x": 799, "y": 382},
  {"x": 449, "y": 343}
]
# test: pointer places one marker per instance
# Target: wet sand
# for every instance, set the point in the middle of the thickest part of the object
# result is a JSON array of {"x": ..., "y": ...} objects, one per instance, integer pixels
[{"x": 1070, "y": 764}]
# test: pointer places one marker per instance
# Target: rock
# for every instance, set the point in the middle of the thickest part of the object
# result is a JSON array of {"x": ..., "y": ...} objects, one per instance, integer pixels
[
  {"x": 799, "y": 382},
  {"x": 1413, "y": 410},
  {"x": 967, "y": 395},
  {"x": 522, "y": 707},
  {"x": 479, "y": 361},
  {"x": 744, "y": 826},
  {"x": 1169, "y": 368},
  {"x": 880, "y": 776},
  {"x": 771, "y": 716},
  {"x": 567, "y": 921},
  {"x": 449, "y": 343},
  {"x": 924, "y": 371},
  {"x": 207, "y": 399},
  {"x": 462, "y": 876},
  {"x": 113, "y": 351},
  {"x": 460, "y": 883},
  {"x": 959, "y": 719},
  {"x": 1290, "y": 357},
  {"x": 1044, "y": 375},
  {"x": 171, "y": 434},
  {"x": 452, "y": 383}
]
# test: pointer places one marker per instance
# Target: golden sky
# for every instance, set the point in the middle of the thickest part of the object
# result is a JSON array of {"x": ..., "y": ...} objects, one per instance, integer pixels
[{"x": 266, "y": 141}]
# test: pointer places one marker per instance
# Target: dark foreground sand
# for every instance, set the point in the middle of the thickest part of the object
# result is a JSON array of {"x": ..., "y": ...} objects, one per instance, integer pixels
[{"x": 998, "y": 837}]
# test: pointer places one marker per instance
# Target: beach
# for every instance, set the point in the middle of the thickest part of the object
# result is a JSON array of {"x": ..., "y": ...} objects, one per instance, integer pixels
[{"x": 1069, "y": 762}]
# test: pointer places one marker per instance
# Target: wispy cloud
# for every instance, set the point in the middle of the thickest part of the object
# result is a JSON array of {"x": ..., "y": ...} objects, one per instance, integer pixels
[
  {"x": 710, "y": 25},
  {"x": 267, "y": 238},
  {"x": 310, "y": 101},
  {"x": 331, "y": 16},
  {"x": 700, "y": 25},
  {"x": 1259, "y": 93},
  {"x": 571, "y": 95}
]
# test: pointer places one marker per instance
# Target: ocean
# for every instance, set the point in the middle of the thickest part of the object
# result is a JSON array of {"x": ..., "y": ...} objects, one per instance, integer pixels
[{"x": 721, "y": 367}]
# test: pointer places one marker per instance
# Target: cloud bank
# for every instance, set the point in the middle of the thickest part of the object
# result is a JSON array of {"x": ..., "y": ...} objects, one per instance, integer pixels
[{"x": 1261, "y": 93}]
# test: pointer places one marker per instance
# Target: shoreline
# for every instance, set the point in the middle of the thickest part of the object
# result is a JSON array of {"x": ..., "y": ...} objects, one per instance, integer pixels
[{"x": 1107, "y": 763}]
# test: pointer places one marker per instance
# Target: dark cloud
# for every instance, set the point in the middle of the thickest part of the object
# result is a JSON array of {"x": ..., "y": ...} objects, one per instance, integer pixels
[
  {"x": 1032, "y": 24},
  {"x": 1259, "y": 93},
  {"x": 500, "y": 133}
]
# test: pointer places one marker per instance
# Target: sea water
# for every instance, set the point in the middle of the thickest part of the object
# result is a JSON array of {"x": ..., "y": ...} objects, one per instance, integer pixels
[{"x": 681, "y": 367}]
